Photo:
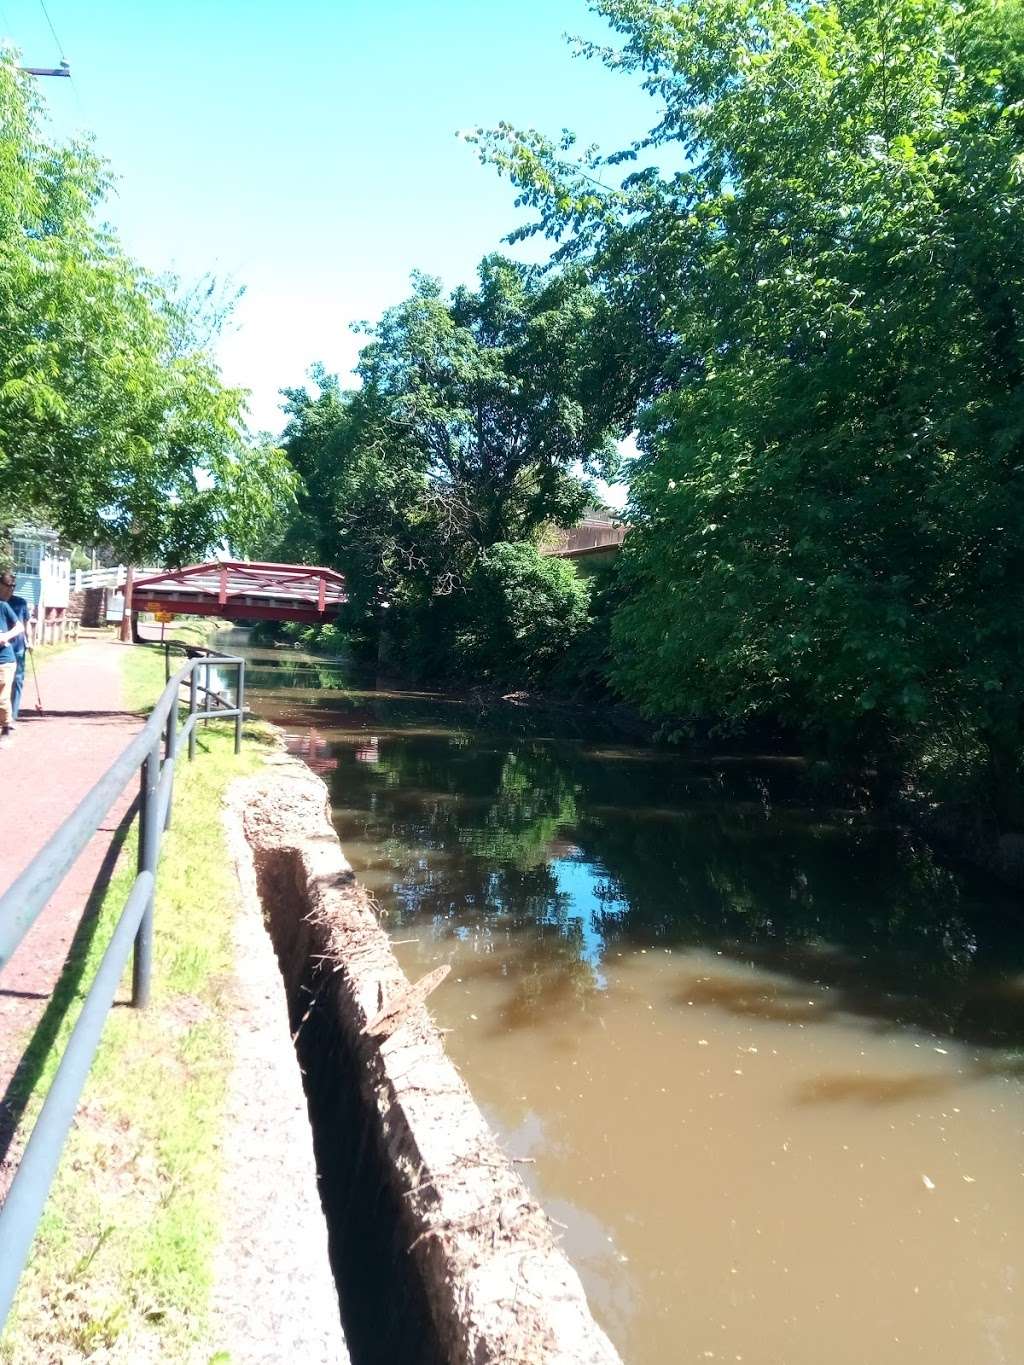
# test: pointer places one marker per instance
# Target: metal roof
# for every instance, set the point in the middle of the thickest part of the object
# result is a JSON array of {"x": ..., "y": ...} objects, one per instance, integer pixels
[{"x": 244, "y": 591}]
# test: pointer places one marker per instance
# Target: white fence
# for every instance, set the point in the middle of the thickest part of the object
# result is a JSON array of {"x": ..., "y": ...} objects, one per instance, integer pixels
[
  {"x": 106, "y": 578},
  {"x": 54, "y": 581},
  {"x": 99, "y": 578}
]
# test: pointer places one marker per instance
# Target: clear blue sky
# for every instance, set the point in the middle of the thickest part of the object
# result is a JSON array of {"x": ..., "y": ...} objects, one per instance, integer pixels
[{"x": 308, "y": 150}]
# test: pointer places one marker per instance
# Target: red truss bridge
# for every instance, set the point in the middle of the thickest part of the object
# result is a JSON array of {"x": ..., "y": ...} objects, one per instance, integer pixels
[{"x": 243, "y": 592}]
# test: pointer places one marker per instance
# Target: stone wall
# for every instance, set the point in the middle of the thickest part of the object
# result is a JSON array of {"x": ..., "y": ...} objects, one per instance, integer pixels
[{"x": 439, "y": 1251}]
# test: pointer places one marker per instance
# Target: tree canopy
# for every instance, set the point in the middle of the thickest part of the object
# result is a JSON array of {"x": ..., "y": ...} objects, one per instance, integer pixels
[
  {"x": 477, "y": 422},
  {"x": 494, "y": 391},
  {"x": 821, "y": 252},
  {"x": 114, "y": 423}
]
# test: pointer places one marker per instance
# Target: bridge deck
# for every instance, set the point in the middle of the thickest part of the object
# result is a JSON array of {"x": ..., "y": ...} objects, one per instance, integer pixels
[{"x": 244, "y": 592}]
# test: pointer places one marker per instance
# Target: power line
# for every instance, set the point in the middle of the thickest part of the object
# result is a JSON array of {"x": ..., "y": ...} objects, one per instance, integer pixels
[{"x": 46, "y": 14}]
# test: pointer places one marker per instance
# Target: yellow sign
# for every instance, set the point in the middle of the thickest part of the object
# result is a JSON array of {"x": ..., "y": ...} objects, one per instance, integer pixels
[{"x": 164, "y": 616}]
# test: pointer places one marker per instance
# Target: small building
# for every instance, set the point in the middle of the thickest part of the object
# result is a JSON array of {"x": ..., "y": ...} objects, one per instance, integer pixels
[{"x": 42, "y": 570}]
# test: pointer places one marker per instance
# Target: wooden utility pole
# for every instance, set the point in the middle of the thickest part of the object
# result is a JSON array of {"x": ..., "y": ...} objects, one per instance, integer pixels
[{"x": 126, "y": 619}]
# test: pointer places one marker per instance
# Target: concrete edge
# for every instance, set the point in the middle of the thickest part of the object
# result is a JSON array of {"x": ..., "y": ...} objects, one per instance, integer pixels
[
  {"x": 273, "y": 1296},
  {"x": 497, "y": 1286}
]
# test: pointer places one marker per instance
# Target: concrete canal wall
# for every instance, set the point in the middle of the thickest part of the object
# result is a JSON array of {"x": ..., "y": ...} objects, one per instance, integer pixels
[{"x": 439, "y": 1252}]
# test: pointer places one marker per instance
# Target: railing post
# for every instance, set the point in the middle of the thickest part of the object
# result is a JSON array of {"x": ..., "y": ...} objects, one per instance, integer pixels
[
  {"x": 171, "y": 752},
  {"x": 240, "y": 704},
  {"x": 206, "y": 696},
  {"x": 149, "y": 852},
  {"x": 192, "y": 693}
]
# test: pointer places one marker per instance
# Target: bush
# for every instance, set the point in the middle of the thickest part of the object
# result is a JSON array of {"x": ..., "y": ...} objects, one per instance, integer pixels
[{"x": 521, "y": 614}]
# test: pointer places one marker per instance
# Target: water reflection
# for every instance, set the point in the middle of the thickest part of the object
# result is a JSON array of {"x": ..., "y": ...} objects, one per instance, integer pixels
[
  {"x": 765, "y": 1054},
  {"x": 865, "y": 913}
]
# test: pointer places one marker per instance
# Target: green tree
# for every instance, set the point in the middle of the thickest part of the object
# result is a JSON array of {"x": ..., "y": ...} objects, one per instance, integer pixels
[
  {"x": 363, "y": 502},
  {"x": 827, "y": 515},
  {"x": 478, "y": 420},
  {"x": 522, "y": 613},
  {"x": 114, "y": 423},
  {"x": 494, "y": 391}
]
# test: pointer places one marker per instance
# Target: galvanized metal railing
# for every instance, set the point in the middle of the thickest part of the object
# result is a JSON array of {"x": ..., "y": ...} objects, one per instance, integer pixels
[{"x": 27, "y": 896}]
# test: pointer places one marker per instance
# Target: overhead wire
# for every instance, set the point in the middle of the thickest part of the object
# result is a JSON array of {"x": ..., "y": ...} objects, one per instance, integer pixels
[
  {"x": 56, "y": 39},
  {"x": 63, "y": 57}
]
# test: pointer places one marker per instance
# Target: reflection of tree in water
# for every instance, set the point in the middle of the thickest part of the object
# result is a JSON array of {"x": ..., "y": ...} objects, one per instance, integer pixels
[
  {"x": 535, "y": 799},
  {"x": 297, "y": 673},
  {"x": 471, "y": 828},
  {"x": 865, "y": 912},
  {"x": 501, "y": 806}
]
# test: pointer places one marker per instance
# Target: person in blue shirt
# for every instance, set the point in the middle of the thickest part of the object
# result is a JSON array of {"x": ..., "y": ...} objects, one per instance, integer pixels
[
  {"x": 23, "y": 612},
  {"x": 10, "y": 629}
]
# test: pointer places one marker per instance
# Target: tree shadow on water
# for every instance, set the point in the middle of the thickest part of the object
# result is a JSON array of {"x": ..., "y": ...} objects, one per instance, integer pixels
[
  {"x": 874, "y": 1090},
  {"x": 752, "y": 999}
]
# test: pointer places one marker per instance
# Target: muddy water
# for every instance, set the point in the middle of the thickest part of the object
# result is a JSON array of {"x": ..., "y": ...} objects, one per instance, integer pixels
[{"x": 764, "y": 1059}]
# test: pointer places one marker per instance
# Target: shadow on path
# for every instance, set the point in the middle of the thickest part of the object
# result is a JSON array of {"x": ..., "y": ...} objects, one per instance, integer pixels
[
  {"x": 30, "y": 1068},
  {"x": 27, "y": 718}
]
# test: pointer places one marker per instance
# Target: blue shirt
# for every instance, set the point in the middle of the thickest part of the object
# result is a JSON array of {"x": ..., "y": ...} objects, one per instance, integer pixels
[
  {"x": 8, "y": 620},
  {"x": 23, "y": 612}
]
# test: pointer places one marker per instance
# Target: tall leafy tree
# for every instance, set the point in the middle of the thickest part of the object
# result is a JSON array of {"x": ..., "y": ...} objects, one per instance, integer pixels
[
  {"x": 114, "y": 423},
  {"x": 479, "y": 417},
  {"x": 822, "y": 254},
  {"x": 494, "y": 391},
  {"x": 363, "y": 502}
]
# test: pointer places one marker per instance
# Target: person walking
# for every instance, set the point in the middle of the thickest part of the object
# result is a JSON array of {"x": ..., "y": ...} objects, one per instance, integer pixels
[
  {"x": 20, "y": 644},
  {"x": 11, "y": 627}
]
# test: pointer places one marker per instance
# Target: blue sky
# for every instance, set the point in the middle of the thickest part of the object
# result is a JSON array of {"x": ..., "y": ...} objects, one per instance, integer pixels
[{"x": 308, "y": 151}]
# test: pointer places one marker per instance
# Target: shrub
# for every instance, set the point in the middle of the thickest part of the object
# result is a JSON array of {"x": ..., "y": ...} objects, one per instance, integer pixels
[{"x": 521, "y": 613}]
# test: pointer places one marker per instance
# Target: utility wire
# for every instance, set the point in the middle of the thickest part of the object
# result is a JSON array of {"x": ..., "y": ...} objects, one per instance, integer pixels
[
  {"x": 46, "y": 14},
  {"x": 60, "y": 49}
]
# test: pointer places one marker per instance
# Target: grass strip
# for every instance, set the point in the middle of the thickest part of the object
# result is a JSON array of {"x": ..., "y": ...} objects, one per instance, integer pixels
[{"x": 122, "y": 1265}]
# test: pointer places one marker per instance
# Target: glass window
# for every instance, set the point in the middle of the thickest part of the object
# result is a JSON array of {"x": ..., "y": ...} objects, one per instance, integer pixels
[{"x": 27, "y": 554}]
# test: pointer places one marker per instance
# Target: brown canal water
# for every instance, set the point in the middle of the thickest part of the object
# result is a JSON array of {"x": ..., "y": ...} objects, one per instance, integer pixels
[{"x": 765, "y": 1059}]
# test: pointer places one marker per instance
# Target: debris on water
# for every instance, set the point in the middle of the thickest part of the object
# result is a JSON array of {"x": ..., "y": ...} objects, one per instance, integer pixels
[
  {"x": 702, "y": 1042},
  {"x": 970, "y": 1179},
  {"x": 928, "y": 1183},
  {"x": 942, "y": 1050}
]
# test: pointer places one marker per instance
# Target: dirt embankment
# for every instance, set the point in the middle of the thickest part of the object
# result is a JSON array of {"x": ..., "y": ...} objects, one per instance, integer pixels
[{"x": 439, "y": 1252}]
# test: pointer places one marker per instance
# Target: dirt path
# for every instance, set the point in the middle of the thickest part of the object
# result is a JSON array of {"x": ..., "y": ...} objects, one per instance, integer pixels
[{"x": 57, "y": 756}]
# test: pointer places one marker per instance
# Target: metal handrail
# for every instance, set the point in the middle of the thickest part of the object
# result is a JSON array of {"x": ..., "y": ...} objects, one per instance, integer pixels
[{"x": 23, "y": 902}]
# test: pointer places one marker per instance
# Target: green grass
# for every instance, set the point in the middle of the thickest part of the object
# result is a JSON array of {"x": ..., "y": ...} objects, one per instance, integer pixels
[
  {"x": 143, "y": 665},
  {"x": 121, "y": 1268},
  {"x": 142, "y": 675}
]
